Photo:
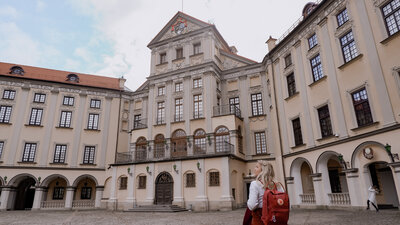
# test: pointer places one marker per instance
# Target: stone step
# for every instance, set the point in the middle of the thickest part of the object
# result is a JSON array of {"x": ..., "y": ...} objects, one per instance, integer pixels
[{"x": 156, "y": 208}]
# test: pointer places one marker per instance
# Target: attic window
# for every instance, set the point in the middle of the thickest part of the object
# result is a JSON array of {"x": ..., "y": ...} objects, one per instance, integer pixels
[
  {"x": 73, "y": 78},
  {"x": 17, "y": 70},
  {"x": 308, "y": 8}
]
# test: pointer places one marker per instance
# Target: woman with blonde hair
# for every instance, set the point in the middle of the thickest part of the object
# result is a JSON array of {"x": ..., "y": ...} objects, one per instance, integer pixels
[{"x": 264, "y": 173}]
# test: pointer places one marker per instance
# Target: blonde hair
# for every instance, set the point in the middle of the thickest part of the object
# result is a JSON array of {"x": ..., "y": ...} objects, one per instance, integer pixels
[{"x": 267, "y": 174}]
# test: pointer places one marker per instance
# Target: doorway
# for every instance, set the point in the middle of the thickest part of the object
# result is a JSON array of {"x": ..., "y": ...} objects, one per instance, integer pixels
[
  {"x": 382, "y": 177},
  {"x": 164, "y": 189},
  {"x": 25, "y": 194}
]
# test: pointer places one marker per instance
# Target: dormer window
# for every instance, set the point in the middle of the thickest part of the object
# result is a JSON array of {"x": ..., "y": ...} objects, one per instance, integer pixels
[
  {"x": 73, "y": 78},
  {"x": 17, "y": 70},
  {"x": 163, "y": 58}
]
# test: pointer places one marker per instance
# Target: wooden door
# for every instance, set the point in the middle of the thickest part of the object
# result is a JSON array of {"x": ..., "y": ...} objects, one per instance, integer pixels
[{"x": 164, "y": 189}]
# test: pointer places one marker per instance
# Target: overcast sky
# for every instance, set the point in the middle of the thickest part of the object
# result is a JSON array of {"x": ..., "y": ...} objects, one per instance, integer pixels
[{"x": 109, "y": 37}]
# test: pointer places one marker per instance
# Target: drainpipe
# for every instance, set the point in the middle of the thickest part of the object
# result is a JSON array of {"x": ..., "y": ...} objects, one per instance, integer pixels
[{"x": 279, "y": 126}]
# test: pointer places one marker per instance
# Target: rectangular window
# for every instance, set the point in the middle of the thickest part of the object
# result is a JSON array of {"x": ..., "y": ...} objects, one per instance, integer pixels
[
  {"x": 86, "y": 193},
  {"x": 261, "y": 143},
  {"x": 9, "y": 94},
  {"x": 163, "y": 58},
  {"x": 161, "y": 91},
  {"x": 59, "y": 154},
  {"x": 361, "y": 107},
  {"x": 123, "y": 183},
  {"x": 197, "y": 106},
  {"x": 197, "y": 83},
  {"x": 256, "y": 104},
  {"x": 161, "y": 113},
  {"x": 325, "y": 121},
  {"x": 137, "y": 121},
  {"x": 95, "y": 103},
  {"x": 312, "y": 41},
  {"x": 179, "y": 87},
  {"x": 58, "y": 193},
  {"x": 191, "y": 180},
  {"x": 1, "y": 148},
  {"x": 348, "y": 47},
  {"x": 178, "y": 109},
  {"x": 29, "y": 152},
  {"x": 316, "y": 67},
  {"x": 88, "y": 155},
  {"x": 36, "y": 117},
  {"x": 39, "y": 98},
  {"x": 391, "y": 15},
  {"x": 234, "y": 104},
  {"x": 65, "y": 120},
  {"x": 298, "y": 137},
  {"x": 214, "y": 178},
  {"x": 291, "y": 83},
  {"x": 142, "y": 182},
  {"x": 93, "y": 122},
  {"x": 5, "y": 114},
  {"x": 342, "y": 17},
  {"x": 288, "y": 60},
  {"x": 179, "y": 53},
  {"x": 196, "y": 48},
  {"x": 69, "y": 101}
]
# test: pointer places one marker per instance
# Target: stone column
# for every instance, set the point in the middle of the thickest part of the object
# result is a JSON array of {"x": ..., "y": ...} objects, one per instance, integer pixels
[
  {"x": 211, "y": 148},
  {"x": 201, "y": 198},
  {"x": 318, "y": 189},
  {"x": 226, "y": 197},
  {"x": 5, "y": 194},
  {"x": 178, "y": 198},
  {"x": 69, "y": 197},
  {"x": 38, "y": 198},
  {"x": 168, "y": 148},
  {"x": 396, "y": 177},
  {"x": 99, "y": 195},
  {"x": 113, "y": 195},
  {"x": 131, "y": 200},
  {"x": 150, "y": 185},
  {"x": 291, "y": 190},
  {"x": 353, "y": 184},
  {"x": 190, "y": 145}
]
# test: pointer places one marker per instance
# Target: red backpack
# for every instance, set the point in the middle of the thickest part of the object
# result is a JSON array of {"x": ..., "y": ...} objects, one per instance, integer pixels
[{"x": 275, "y": 208}]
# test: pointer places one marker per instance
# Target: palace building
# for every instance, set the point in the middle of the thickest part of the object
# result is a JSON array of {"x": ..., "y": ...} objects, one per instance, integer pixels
[{"x": 323, "y": 107}]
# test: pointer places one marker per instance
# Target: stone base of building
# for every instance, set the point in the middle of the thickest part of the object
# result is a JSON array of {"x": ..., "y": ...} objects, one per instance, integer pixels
[
  {"x": 346, "y": 207},
  {"x": 201, "y": 204},
  {"x": 179, "y": 202}
]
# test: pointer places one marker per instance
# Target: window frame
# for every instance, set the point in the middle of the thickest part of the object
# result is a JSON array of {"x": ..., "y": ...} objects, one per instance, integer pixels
[
  {"x": 349, "y": 44},
  {"x": 137, "y": 119},
  {"x": 214, "y": 179},
  {"x": 5, "y": 115},
  {"x": 260, "y": 141},
  {"x": 312, "y": 41},
  {"x": 341, "y": 14},
  {"x": 288, "y": 60},
  {"x": 58, "y": 193},
  {"x": 197, "y": 106},
  {"x": 93, "y": 121},
  {"x": 297, "y": 132},
  {"x": 179, "y": 53},
  {"x": 142, "y": 180},
  {"x": 10, "y": 94},
  {"x": 178, "y": 110},
  {"x": 256, "y": 104},
  {"x": 190, "y": 183},
  {"x": 316, "y": 67},
  {"x": 65, "y": 120},
  {"x": 31, "y": 154},
  {"x": 35, "y": 119},
  {"x": 95, "y": 103},
  {"x": 197, "y": 48},
  {"x": 60, "y": 152},
  {"x": 392, "y": 13},
  {"x": 366, "y": 108},
  {"x": 161, "y": 91},
  {"x": 86, "y": 193},
  {"x": 325, "y": 121},
  {"x": 1, "y": 148},
  {"x": 160, "y": 113},
  {"x": 197, "y": 83},
  {"x": 123, "y": 183},
  {"x": 89, "y": 155},
  {"x": 68, "y": 100},
  {"x": 39, "y": 98},
  {"x": 234, "y": 104},
  {"x": 179, "y": 87},
  {"x": 163, "y": 57}
]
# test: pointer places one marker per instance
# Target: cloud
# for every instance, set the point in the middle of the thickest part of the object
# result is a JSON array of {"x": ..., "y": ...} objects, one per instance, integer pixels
[
  {"x": 40, "y": 5},
  {"x": 8, "y": 12}
]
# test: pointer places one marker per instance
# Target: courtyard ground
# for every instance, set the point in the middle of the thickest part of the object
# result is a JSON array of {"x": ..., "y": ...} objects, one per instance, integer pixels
[{"x": 297, "y": 217}]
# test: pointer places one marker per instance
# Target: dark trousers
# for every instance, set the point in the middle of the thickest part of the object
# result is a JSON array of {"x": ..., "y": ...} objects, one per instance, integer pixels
[{"x": 368, "y": 201}]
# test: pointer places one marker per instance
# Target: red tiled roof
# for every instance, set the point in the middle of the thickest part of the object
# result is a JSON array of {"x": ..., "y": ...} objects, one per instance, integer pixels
[{"x": 37, "y": 73}]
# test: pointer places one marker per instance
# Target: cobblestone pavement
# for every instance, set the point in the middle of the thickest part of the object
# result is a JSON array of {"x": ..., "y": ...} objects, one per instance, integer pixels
[{"x": 297, "y": 217}]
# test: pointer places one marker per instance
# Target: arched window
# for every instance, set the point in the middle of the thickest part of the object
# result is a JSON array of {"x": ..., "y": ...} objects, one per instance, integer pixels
[
  {"x": 159, "y": 146},
  {"x": 199, "y": 142},
  {"x": 73, "y": 78},
  {"x": 179, "y": 144},
  {"x": 17, "y": 70},
  {"x": 141, "y": 146},
  {"x": 222, "y": 139}
]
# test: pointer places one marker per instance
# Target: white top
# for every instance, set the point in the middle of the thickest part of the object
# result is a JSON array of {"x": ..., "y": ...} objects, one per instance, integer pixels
[
  {"x": 256, "y": 195},
  {"x": 372, "y": 195}
]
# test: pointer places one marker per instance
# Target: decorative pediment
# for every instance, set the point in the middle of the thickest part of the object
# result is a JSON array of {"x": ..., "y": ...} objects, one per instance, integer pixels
[{"x": 180, "y": 24}]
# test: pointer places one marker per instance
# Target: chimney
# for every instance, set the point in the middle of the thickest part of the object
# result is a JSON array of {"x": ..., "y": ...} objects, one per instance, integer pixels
[
  {"x": 122, "y": 83},
  {"x": 271, "y": 43}
]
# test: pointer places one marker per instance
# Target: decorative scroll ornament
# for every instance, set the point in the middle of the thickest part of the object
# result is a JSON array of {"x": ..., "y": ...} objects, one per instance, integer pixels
[{"x": 368, "y": 153}]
